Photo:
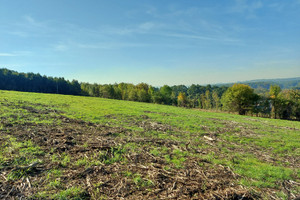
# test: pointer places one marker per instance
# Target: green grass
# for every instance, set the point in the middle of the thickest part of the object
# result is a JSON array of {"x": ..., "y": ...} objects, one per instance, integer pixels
[
  {"x": 177, "y": 158},
  {"x": 112, "y": 156},
  {"x": 54, "y": 173},
  {"x": 239, "y": 141},
  {"x": 74, "y": 193},
  {"x": 55, "y": 184},
  {"x": 14, "y": 153}
]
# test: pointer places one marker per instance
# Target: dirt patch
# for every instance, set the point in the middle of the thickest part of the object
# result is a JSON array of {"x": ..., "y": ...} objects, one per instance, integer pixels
[
  {"x": 156, "y": 126},
  {"x": 109, "y": 168},
  {"x": 149, "y": 177}
]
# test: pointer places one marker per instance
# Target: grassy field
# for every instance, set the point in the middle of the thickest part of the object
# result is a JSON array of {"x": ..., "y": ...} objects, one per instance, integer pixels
[{"x": 70, "y": 147}]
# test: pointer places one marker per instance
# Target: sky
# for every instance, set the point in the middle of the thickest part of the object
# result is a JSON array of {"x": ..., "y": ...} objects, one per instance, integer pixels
[{"x": 152, "y": 41}]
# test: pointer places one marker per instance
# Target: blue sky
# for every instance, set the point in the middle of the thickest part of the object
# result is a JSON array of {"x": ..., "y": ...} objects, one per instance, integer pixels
[{"x": 158, "y": 42}]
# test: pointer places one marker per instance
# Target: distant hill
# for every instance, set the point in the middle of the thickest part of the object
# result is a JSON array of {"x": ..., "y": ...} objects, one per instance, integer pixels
[{"x": 260, "y": 84}]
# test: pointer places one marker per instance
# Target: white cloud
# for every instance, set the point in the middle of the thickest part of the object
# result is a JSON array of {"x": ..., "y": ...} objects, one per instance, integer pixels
[
  {"x": 277, "y": 6},
  {"x": 27, "y": 26},
  {"x": 16, "y": 53},
  {"x": 6, "y": 54},
  {"x": 111, "y": 45},
  {"x": 19, "y": 33},
  {"x": 152, "y": 11},
  {"x": 199, "y": 37},
  {"x": 143, "y": 28},
  {"x": 61, "y": 47},
  {"x": 30, "y": 20},
  {"x": 146, "y": 26},
  {"x": 101, "y": 45},
  {"x": 32, "y": 27},
  {"x": 188, "y": 36},
  {"x": 246, "y": 7}
]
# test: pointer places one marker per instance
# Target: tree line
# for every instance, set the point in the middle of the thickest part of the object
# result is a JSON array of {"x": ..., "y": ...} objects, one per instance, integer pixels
[
  {"x": 195, "y": 96},
  {"x": 277, "y": 103},
  {"x": 30, "y": 82},
  {"x": 239, "y": 98}
]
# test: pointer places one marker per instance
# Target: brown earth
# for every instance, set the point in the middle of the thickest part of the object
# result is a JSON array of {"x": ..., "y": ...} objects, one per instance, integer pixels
[{"x": 197, "y": 179}]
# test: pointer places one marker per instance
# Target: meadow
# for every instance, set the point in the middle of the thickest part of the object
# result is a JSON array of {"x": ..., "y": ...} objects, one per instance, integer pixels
[{"x": 74, "y": 147}]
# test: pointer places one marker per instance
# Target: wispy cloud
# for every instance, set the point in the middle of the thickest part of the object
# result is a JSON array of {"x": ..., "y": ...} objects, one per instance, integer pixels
[
  {"x": 179, "y": 22},
  {"x": 33, "y": 22},
  {"x": 18, "y": 33},
  {"x": 147, "y": 26},
  {"x": 60, "y": 47},
  {"x": 74, "y": 36},
  {"x": 246, "y": 7},
  {"x": 104, "y": 45},
  {"x": 7, "y": 54},
  {"x": 199, "y": 37},
  {"x": 175, "y": 11},
  {"x": 113, "y": 37},
  {"x": 16, "y": 53},
  {"x": 278, "y": 6},
  {"x": 178, "y": 30},
  {"x": 142, "y": 28},
  {"x": 28, "y": 26},
  {"x": 152, "y": 11}
]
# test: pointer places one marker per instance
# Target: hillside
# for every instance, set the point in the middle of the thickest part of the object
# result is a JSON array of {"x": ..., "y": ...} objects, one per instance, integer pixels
[
  {"x": 284, "y": 83},
  {"x": 72, "y": 147}
]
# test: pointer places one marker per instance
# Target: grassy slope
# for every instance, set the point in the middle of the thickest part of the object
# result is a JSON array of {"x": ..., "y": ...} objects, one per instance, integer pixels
[{"x": 264, "y": 153}]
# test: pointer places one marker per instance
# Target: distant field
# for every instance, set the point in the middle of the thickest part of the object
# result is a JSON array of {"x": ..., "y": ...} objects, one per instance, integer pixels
[{"x": 70, "y": 147}]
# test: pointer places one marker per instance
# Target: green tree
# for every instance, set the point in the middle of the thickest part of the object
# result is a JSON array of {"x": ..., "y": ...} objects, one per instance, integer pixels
[
  {"x": 208, "y": 100},
  {"x": 274, "y": 93},
  {"x": 108, "y": 91},
  {"x": 288, "y": 104},
  {"x": 123, "y": 90},
  {"x": 216, "y": 100},
  {"x": 239, "y": 98},
  {"x": 117, "y": 92},
  {"x": 143, "y": 95},
  {"x": 157, "y": 98},
  {"x": 182, "y": 99},
  {"x": 166, "y": 93},
  {"x": 133, "y": 95},
  {"x": 151, "y": 93},
  {"x": 201, "y": 101},
  {"x": 76, "y": 89},
  {"x": 142, "y": 92}
]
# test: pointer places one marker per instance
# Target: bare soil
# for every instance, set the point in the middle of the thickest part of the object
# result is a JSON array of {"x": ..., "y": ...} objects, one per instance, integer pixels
[{"x": 197, "y": 179}]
